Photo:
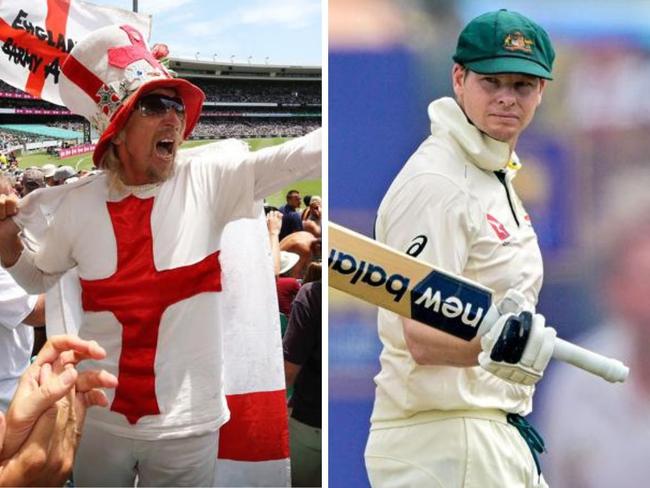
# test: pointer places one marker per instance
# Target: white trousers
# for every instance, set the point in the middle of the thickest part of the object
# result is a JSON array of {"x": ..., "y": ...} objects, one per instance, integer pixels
[
  {"x": 451, "y": 451},
  {"x": 105, "y": 459}
]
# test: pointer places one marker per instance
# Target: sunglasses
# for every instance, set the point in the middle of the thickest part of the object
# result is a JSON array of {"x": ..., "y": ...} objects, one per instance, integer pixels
[{"x": 155, "y": 105}]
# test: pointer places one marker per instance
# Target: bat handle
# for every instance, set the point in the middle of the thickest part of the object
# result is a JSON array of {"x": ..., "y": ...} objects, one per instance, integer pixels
[{"x": 609, "y": 369}]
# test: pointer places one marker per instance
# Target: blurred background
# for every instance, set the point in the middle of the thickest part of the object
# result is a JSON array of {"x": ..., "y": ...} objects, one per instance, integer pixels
[{"x": 585, "y": 183}]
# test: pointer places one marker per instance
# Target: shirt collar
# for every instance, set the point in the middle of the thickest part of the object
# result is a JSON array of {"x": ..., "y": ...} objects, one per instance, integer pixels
[{"x": 484, "y": 151}]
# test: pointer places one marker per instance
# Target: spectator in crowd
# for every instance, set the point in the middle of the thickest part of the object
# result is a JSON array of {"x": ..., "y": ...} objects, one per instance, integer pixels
[
  {"x": 32, "y": 179},
  {"x": 62, "y": 173},
  {"x": 48, "y": 172},
  {"x": 151, "y": 208},
  {"x": 305, "y": 245},
  {"x": 40, "y": 433},
  {"x": 314, "y": 272},
  {"x": 311, "y": 217},
  {"x": 287, "y": 286},
  {"x": 302, "y": 366},
  {"x": 293, "y": 202},
  {"x": 19, "y": 313},
  {"x": 290, "y": 217},
  {"x": 306, "y": 199}
]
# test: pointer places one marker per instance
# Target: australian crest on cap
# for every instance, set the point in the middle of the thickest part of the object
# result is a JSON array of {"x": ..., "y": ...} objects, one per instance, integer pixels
[{"x": 516, "y": 41}]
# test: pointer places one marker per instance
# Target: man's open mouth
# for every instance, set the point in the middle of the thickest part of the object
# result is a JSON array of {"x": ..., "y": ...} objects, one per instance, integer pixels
[{"x": 165, "y": 148}]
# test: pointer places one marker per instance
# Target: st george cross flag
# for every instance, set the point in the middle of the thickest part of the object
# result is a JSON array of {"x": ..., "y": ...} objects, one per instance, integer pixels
[
  {"x": 254, "y": 444},
  {"x": 36, "y": 36}
]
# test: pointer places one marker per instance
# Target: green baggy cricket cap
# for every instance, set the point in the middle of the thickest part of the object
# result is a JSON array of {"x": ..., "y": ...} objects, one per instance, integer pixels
[{"x": 505, "y": 42}]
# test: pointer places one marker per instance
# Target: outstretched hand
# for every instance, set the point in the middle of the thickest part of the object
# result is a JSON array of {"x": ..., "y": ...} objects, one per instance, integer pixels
[{"x": 40, "y": 434}]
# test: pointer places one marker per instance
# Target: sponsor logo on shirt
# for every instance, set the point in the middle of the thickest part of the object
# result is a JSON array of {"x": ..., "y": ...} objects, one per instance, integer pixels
[
  {"x": 498, "y": 227},
  {"x": 417, "y": 245}
]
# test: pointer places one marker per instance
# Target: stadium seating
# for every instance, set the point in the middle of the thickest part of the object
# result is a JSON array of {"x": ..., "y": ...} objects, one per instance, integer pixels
[{"x": 251, "y": 105}]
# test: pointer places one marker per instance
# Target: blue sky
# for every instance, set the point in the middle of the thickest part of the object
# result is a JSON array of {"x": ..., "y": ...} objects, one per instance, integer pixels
[{"x": 285, "y": 31}]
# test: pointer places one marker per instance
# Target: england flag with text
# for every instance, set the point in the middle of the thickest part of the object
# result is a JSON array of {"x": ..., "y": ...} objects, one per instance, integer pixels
[{"x": 36, "y": 36}]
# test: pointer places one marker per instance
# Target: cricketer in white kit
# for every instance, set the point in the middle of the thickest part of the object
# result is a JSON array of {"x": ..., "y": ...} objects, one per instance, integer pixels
[{"x": 448, "y": 413}]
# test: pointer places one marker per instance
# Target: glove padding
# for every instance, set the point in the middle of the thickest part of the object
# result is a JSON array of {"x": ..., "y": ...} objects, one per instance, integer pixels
[{"x": 518, "y": 348}]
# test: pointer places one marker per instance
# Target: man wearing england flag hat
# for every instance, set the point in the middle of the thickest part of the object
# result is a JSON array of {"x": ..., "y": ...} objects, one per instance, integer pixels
[{"x": 145, "y": 237}]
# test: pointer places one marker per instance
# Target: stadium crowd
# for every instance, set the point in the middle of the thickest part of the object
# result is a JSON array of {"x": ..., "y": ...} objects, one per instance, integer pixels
[
  {"x": 226, "y": 91},
  {"x": 236, "y": 91},
  {"x": 11, "y": 139},
  {"x": 295, "y": 236},
  {"x": 292, "y": 95},
  {"x": 250, "y": 127}
]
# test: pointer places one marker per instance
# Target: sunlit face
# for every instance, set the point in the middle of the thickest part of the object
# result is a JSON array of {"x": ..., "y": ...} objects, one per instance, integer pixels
[
  {"x": 315, "y": 205},
  {"x": 501, "y": 105},
  {"x": 148, "y": 144},
  {"x": 294, "y": 200}
]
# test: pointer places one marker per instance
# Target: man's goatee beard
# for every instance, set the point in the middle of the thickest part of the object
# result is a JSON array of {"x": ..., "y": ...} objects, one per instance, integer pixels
[{"x": 117, "y": 185}]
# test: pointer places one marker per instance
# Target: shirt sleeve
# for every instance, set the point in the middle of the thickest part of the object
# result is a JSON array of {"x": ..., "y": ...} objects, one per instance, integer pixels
[
  {"x": 15, "y": 303},
  {"x": 37, "y": 271},
  {"x": 431, "y": 219},
  {"x": 277, "y": 166},
  {"x": 299, "y": 339},
  {"x": 232, "y": 182}
]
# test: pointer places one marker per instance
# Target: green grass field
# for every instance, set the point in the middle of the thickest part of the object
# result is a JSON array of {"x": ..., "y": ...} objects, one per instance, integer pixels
[{"x": 308, "y": 187}]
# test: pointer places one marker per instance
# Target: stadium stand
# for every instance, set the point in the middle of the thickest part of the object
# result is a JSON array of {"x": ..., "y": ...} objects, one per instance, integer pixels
[
  {"x": 241, "y": 101},
  {"x": 41, "y": 130}
]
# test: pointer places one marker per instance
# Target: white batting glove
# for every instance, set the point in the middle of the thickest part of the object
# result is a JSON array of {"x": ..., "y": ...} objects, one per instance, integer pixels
[{"x": 518, "y": 348}]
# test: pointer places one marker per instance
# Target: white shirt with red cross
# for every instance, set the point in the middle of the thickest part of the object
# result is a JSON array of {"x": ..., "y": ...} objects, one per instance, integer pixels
[{"x": 150, "y": 279}]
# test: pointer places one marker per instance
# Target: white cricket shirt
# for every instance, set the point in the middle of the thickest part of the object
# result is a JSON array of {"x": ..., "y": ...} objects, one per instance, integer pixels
[{"x": 447, "y": 206}]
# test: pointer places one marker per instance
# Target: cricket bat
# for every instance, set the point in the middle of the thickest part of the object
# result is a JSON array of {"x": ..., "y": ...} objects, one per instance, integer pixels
[{"x": 378, "y": 274}]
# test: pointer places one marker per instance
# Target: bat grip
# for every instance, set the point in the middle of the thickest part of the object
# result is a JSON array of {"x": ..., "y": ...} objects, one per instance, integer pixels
[{"x": 609, "y": 369}]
